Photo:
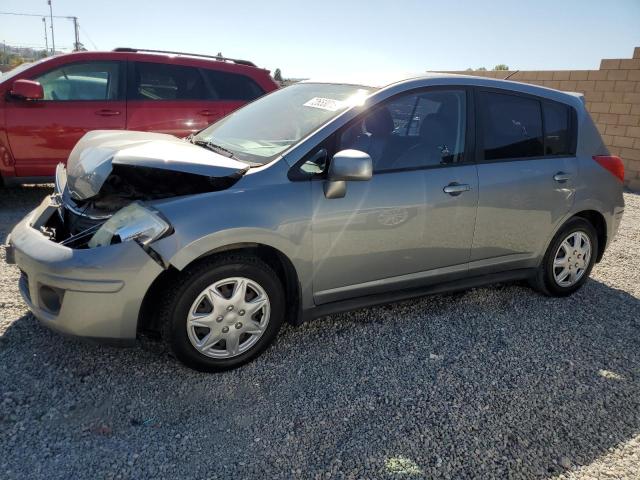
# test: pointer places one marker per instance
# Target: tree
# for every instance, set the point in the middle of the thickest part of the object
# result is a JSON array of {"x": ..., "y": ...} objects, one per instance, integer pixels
[
  {"x": 277, "y": 75},
  {"x": 15, "y": 60},
  {"x": 482, "y": 69},
  {"x": 502, "y": 66}
]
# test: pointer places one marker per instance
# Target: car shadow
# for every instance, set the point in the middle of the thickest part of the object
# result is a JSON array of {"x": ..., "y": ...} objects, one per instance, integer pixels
[{"x": 492, "y": 382}]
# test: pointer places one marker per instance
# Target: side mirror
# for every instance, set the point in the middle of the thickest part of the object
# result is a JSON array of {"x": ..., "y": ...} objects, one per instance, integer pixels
[
  {"x": 347, "y": 165},
  {"x": 27, "y": 90}
]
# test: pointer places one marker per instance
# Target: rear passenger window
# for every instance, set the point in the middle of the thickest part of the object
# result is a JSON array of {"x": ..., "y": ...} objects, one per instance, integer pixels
[
  {"x": 557, "y": 129},
  {"x": 512, "y": 126},
  {"x": 158, "y": 81},
  {"x": 231, "y": 86}
]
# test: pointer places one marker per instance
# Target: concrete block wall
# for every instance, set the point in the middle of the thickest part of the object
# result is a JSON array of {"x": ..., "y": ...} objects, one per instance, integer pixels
[{"x": 612, "y": 95}]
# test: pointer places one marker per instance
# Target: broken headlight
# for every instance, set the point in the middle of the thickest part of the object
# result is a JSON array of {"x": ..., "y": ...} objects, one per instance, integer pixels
[{"x": 133, "y": 222}]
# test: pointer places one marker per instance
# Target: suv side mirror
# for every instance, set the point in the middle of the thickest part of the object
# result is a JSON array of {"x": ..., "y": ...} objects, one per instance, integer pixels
[
  {"x": 347, "y": 165},
  {"x": 27, "y": 90}
]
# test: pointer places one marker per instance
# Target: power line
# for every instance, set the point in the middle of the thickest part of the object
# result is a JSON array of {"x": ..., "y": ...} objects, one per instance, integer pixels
[
  {"x": 95, "y": 47},
  {"x": 33, "y": 15},
  {"x": 74, "y": 19},
  {"x": 35, "y": 45}
]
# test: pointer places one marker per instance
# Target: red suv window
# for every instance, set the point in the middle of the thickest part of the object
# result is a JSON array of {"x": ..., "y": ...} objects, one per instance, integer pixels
[
  {"x": 158, "y": 81},
  {"x": 82, "y": 81},
  {"x": 231, "y": 86}
]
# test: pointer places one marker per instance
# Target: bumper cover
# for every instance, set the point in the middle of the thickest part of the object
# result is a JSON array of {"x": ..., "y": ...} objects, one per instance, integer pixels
[{"x": 100, "y": 290}]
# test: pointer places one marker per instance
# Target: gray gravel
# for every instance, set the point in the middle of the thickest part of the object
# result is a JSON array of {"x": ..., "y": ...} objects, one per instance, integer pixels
[{"x": 491, "y": 383}]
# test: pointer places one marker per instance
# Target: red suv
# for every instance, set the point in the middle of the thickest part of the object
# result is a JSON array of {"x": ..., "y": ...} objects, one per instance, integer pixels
[{"x": 45, "y": 107}]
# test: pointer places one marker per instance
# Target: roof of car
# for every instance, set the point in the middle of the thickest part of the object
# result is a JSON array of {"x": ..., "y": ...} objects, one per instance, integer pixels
[
  {"x": 378, "y": 81},
  {"x": 373, "y": 79},
  {"x": 220, "y": 58},
  {"x": 192, "y": 57}
]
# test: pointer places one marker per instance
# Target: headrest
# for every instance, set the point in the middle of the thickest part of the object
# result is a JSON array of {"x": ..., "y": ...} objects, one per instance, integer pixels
[{"x": 379, "y": 122}]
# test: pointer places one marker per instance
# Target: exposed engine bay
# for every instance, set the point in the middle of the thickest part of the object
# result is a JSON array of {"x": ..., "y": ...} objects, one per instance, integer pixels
[
  {"x": 107, "y": 171},
  {"x": 77, "y": 220},
  {"x": 127, "y": 184}
]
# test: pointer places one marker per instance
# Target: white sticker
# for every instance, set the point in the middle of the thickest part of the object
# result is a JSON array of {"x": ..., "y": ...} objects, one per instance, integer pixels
[{"x": 325, "y": 104}]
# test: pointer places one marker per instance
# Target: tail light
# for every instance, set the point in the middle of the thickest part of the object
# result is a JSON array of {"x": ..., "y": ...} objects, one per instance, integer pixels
[{"x": 612, "y": 163}]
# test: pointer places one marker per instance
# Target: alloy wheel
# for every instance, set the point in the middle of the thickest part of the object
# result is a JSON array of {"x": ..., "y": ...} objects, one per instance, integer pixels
[{"x": 572, "y": 259}]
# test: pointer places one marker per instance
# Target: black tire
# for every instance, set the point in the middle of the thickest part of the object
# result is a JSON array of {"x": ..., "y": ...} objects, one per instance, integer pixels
[
  {"x": 179, "y": 297},
  {"x": 544, "y": 280}
]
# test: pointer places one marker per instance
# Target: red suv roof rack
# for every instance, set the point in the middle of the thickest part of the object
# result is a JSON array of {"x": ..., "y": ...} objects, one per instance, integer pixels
[{"x": 223, "y": 59}]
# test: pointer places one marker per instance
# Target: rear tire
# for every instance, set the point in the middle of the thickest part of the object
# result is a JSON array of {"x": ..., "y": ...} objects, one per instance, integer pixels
[
  {"x": 222, "y": 312},
  {"x": 568, "y": 261}
]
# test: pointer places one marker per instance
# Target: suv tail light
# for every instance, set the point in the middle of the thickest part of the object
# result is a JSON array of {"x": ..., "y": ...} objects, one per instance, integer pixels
[{"x": 612, "y": 163}]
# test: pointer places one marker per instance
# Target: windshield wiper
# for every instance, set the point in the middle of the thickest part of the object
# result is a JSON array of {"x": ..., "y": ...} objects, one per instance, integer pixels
[{"x": 214, "y": 148}]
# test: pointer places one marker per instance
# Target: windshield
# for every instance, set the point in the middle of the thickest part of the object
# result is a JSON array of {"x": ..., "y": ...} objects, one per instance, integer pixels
[
  {"x": 20, "y": 68},
  {"x": 265, "y": 128},
  {"x": 14, "y": 71}
]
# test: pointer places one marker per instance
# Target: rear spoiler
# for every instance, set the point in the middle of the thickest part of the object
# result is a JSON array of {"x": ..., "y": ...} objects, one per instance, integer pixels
[{"x": 577, "y": 94}]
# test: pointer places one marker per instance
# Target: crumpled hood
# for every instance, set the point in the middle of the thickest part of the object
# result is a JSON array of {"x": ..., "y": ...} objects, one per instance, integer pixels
[{"x": 91, "y": 160}]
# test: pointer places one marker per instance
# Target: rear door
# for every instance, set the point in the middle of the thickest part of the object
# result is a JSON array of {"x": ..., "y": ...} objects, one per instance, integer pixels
[
  {"x": 78, "y": 97},
  {"x": 527, "y": 176},
  {"x": 168, "y": 98}
]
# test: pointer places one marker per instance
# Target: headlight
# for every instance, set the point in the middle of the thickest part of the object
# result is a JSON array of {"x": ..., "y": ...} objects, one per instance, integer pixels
[{"x": 133, "y": 222}]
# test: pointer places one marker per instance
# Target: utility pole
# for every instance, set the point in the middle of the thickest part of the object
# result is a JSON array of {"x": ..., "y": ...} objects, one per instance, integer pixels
[
  {"x": 76, "y": 45},
  {"x": 46, "y": 38},
  {"x": 53, "y": 40}
]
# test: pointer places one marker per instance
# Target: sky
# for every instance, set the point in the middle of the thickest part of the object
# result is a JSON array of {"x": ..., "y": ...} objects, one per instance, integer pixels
[{"x": 320, "y": 38}]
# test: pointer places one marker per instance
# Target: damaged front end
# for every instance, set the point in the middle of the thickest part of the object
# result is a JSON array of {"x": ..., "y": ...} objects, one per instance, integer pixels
[{"x": 100, "y": 196}]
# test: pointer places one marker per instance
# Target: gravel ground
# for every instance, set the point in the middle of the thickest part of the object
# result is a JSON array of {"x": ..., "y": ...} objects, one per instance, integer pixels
[{"x": 491, "y": 383}]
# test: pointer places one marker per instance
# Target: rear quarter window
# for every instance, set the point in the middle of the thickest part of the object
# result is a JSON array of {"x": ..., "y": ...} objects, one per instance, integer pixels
[{"x": 557, "y": 129}]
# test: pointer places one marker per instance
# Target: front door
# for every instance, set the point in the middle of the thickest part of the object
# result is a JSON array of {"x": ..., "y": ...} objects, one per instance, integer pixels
[
  {"x": 78, "y": 98},
  {"x": 413, "y": 221}
]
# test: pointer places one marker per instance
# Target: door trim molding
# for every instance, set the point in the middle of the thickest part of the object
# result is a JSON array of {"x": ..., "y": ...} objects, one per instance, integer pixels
[
  {"x": 407, "y": 281},
  {"x": 406, "y": 294}
]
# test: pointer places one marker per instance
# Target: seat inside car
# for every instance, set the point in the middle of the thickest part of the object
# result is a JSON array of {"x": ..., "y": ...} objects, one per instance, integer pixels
[
  {"x": 437, "y": 139},
  {"x": 371, "y": 135}
]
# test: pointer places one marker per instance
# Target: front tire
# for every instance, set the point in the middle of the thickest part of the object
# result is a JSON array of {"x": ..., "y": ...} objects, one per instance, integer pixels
[
  {"x": 223, "y": 312},
  {"x": 568, "y": 260}
]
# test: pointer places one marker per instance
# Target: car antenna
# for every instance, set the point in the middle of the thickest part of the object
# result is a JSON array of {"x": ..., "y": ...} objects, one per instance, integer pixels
[{"x": 510, "y": 75}]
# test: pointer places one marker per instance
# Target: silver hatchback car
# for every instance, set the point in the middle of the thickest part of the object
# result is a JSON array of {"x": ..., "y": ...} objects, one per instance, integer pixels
[{"x": 318, "y": 198}]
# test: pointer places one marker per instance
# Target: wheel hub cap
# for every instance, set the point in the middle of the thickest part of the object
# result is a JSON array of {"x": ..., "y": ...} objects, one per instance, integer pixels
[
  {"x": 572, "y": 259},
  {"x": 228, "y": 317}
]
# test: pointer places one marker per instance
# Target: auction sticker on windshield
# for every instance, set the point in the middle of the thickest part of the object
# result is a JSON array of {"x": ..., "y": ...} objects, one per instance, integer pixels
[{"x": 325, "y": 104}]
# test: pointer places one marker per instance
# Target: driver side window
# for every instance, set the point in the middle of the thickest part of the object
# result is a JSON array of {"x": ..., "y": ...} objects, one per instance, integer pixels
[
  {"x": 82, "y": 81},
  {"x": 414, "y": 130}
]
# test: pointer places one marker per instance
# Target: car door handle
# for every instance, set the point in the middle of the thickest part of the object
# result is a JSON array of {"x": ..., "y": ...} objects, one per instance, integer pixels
[
  {"x": 206, "y": 113},
  {"x": 561, "y": 177},
  {"x": 106, "y": 112},
  {"x": 455, "y": 189}
]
